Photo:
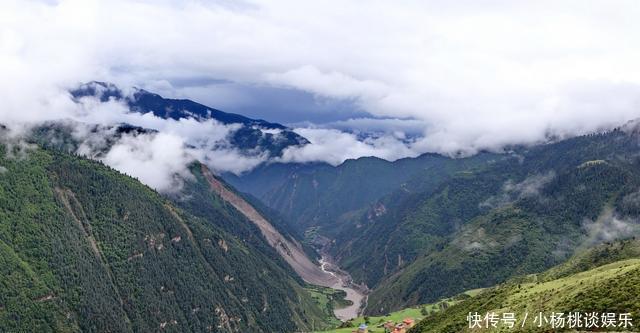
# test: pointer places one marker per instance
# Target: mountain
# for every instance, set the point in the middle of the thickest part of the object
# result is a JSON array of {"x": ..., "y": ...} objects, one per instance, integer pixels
[
  {"x": 279, "y": 234},
  {"x": 318, "y": 195},
  {"x": 85, "y": 248},
  {"x": 421, "y": 229},
  {"x": 602, "y": 280},
  {"x": 418, "y": 230},
  {"x": 518, "y": 216},
  {"x": 285, "y": 245},
  {"x": 251, "y": 135}
]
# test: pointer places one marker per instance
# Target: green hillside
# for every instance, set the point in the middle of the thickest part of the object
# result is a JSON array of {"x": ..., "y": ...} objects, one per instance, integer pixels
[
  {"x": 416, "y": 313},
  {"x": 417, "y": 230},
  {"x": 320, "y": 195},
  {"x": 518, "y": 215},
  {"x": 605, "y": 286},
  {"x": 85, "y": 248}
]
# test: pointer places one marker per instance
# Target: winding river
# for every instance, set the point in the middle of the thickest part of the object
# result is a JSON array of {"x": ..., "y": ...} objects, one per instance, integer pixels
[
  {"x": 355, "y": 294},
  {"x": 326, "y": 274}
]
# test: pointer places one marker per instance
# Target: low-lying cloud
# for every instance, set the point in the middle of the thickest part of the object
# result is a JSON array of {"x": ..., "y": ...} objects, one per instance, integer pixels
[
  {"x": 511, "y": 191},
  {"x": 334, "y": 147},
  {"x": 530, "y": 186},
  {"x": 158, "y": 155},
  {"x": 158, "y": 160},
  {"x": 609, "y": 227}
]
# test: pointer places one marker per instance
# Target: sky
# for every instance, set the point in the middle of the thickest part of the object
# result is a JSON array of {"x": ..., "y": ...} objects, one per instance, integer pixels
[{"x": 425, "y": 76}]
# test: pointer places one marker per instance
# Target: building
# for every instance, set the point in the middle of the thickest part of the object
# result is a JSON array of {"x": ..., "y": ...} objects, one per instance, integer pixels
[
  {"x": 400, "y": 328},
  {"x": 408, "y": 322}
]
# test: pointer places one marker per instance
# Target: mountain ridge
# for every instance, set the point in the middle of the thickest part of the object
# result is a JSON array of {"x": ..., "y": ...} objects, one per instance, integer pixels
[
  {"x": 85, "y": 248},
  {"x": 252, "y": 134}
]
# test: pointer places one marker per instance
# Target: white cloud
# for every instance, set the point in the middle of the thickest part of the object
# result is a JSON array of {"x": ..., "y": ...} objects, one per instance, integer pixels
[
  {"x": 158, "y": 158},
  {"x": 230, "y": 159},
  {"x": 609, "y": 227},
  {"x": 159, "y": 161},
  {"x": 333, "y": 84},
  {"x": 334, "y": 147},
  {"x": 474, "y": 75},
  {"x": 529, "y": 187},
  {"x": 176, "y": 144}
]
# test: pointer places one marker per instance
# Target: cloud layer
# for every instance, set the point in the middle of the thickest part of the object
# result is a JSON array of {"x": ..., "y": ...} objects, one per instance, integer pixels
[{"x": 445, "y": 77}]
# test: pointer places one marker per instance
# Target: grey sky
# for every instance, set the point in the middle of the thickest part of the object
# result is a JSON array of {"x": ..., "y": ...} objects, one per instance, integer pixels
[{"x": 279, "y": 104}]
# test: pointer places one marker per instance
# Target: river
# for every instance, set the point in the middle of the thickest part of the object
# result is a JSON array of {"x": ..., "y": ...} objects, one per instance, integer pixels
[
  {"x": 326, "y": 275},
  {"x": 356, "y": 294}
]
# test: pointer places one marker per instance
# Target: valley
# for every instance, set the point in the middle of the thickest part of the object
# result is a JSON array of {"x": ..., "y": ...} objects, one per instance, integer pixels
[
  {"x": 356, "y": 295},
  {"x": 460, "y": 224},
  {"x": 300, "y": 247},
  {"x": 439, "y": 232},
  {"x": 280, "y": 166},
  {"x": 289, "y": 249},
  {"x": 323, "y": 273}
]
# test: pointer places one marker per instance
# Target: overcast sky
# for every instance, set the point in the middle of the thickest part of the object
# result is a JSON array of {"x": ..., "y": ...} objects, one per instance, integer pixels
[{"x": 463, "y": 75}]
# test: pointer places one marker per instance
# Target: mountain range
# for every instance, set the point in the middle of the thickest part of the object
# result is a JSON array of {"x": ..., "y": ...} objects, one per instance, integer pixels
[
  {"x": 444, "y": 225},
  {"x": 87, "y": 248}
]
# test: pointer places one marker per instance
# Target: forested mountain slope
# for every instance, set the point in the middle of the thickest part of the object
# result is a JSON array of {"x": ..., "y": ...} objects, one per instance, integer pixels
[
  {"x": 515, "y": 216},
  {"x": 417, "y": 230},
  {"x": 320, "y": 195},
  {"x": 207, "y": 185},
  {"x": 85, "y": 248}
]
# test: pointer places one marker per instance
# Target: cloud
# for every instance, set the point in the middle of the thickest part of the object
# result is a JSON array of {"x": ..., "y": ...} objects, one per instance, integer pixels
[
  {"x": 631, "y": 201},
  {"x": 472, "y": 76},
  {"x": 334, "y": 147},
  {"x": 333, "y": 84},
  {"x": 159, "y": 161},
  {"x": 207, "y": 139},
  {"x": 230, "y": 160},
  {"x": 476, "y": 239},
  {"x": 159, "y": 157},
  {"x": 609, "y": 227},
  {"x": 173, "y": 145},
  {"x": 530, "y": 187}
]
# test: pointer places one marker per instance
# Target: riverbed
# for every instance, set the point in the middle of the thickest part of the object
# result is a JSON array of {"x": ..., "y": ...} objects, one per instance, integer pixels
[{"x": 355, "y": 294}]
